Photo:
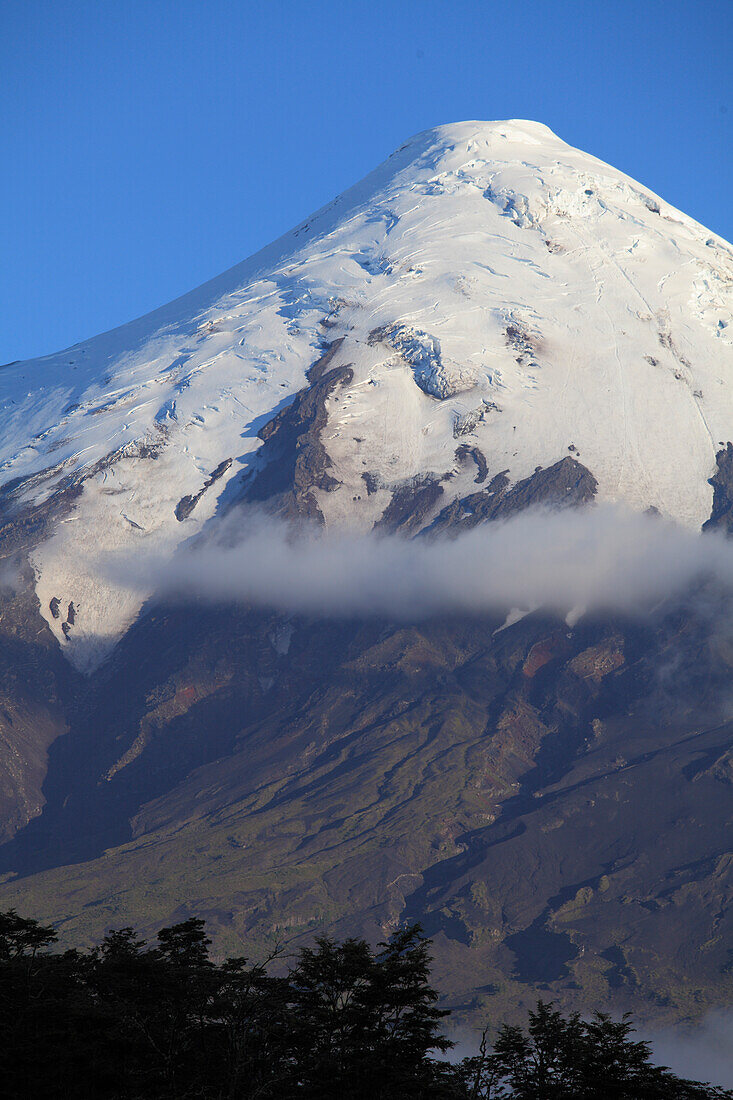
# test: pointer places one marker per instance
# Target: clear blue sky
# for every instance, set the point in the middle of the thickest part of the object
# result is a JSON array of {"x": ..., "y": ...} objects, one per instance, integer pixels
[{"x": 147, "y": 145}]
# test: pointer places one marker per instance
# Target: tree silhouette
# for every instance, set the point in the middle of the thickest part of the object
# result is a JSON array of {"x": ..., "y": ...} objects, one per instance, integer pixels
[
  {"x": 568, "y": 1058},
  {"x": 131, "y": 1021},
  {"x": 367, "y": 1024}
]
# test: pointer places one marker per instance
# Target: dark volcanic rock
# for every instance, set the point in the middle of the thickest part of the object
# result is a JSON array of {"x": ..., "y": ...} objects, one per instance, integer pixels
[
  {"x": 23, "y": 526},
  {"x": 566, "y": 484},
  {"x": 293, "y": 459},
  {"x": 721, "y": 516},
  {"x": 187, "y": 504},
  {"x": 371, "y": 481},
  {"x": 465, "y": 452},
  {"x": 410, "y": 505}
]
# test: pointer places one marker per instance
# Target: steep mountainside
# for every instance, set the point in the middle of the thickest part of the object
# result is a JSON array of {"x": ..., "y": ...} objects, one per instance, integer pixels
[{"x": 490, "y": 320}]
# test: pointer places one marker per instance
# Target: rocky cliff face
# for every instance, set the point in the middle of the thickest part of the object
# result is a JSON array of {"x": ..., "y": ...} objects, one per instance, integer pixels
[{"x": 490, "y": 322}]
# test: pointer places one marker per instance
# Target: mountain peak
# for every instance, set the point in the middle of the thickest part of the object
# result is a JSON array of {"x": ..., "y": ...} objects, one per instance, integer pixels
[
  {"x": 487, "y": 290},
  {"x": 515, "y": 130}
]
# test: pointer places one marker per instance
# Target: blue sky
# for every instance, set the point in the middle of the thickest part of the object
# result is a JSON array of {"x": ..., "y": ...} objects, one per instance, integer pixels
[{"x": 147, "y": 145}]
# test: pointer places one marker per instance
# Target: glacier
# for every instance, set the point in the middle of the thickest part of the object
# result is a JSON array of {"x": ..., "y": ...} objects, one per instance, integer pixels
[{"x": 488, "y": 283}]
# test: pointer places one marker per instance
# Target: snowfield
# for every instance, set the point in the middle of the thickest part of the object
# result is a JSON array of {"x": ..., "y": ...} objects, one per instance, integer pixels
[{"x": 492, "y": 285}]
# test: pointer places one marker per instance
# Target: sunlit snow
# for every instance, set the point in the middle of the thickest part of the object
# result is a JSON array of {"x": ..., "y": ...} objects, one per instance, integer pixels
[{"x": 490, "y": 282}]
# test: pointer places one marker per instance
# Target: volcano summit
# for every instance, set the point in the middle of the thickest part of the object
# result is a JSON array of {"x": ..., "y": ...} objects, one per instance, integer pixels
[{"x": 490, "y": 320}]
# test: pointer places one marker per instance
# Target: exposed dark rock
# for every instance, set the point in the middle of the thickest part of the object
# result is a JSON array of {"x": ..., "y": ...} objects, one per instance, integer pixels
[
  {"x": 465, "y": 452},
  {"x": 410, "y": 506},
  {"x": 519, "y": 337},
  {"x": 566, "y": 484},
  {"x": 23, "y": 527},
  {"x": 187, "y": 504},
  {"x": 470, "y": 510},
  {"x": 53, "y": 607},
  {"x": 71, "y": 614},
  {"x": 294, "y": 460},
  {"x": 599, "y": 661},
  {"x": 721, "y": 516},
  {"x": 468, "y": 423},
  {"x": 371, "y": 482}
]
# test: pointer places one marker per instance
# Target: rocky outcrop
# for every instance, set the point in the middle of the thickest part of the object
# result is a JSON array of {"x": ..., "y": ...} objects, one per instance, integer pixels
[
  {"x": 466, "y": 452},
  {"x": 187, "y": 504},
  {"x": 468, "y": 422},
  {"x": 599, "y": 661},
  {"x": 24, "y": 524},
  {"x": 293, "y": 461},
  {"x": 410, "y": 506},
  {"x": 565, "y": 484},
  {"x": 721, "y": 516}
]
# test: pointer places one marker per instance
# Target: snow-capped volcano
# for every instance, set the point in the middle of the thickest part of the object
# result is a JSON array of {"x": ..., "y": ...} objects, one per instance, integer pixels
[
  {"x": 491, "y": 320},
  {"x": 492, "y": 299}
]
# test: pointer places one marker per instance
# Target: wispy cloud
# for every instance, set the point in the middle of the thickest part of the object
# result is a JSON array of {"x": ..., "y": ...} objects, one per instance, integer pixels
[
  {"x": 600, "y": 558},
  {"x": 702, "y": 1053}
]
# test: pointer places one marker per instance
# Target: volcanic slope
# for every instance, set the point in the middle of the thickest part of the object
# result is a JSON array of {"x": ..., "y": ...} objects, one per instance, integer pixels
[
  {"x": 489, "y": 320},
  {"x": 488, "y": 285}
]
